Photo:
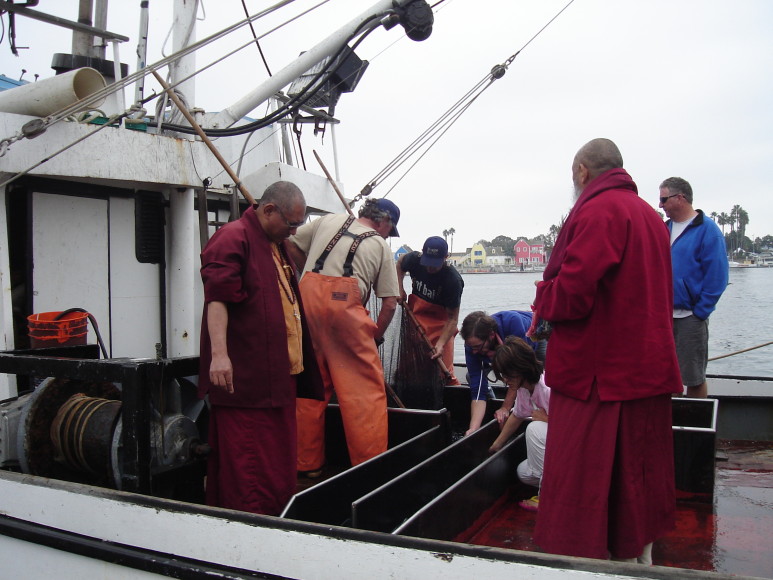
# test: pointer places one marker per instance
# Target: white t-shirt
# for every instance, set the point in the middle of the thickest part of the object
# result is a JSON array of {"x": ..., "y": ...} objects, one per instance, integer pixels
[{"x": 676, "y": 230}]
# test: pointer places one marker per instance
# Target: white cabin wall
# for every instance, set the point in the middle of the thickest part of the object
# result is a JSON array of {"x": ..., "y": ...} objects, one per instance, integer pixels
[
  {"x": 70, "y": 257},
  {"x": 134, "y": 288},
  {"x": 84, "y": 257}
]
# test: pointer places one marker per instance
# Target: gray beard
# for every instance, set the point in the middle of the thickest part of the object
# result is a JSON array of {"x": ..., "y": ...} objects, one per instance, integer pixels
[{"x": 576, "y": 193}]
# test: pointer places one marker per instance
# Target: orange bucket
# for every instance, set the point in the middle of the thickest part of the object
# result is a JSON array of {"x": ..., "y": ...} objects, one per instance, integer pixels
[{"x": 46, "y": 331}]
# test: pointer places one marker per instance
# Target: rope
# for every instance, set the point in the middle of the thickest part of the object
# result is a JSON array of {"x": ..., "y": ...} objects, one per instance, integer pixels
[
  {"x": 235, "y": 50},
  {"x": 68, "y": 430},
  {"x": 437, "y": 138},
  {"x": 122, "y": 83},
  {"x": 99, "y": 128},
  {"x": 741, "y": 351},
  {"x": 297, "y": 101},
  {"x": 428, "y": 133},
  {"x": 448, "y": 118}
]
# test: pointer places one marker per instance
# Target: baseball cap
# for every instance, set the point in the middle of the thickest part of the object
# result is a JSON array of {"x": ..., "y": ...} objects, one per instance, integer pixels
[
  {"x": 394, "y": 214},
  {"x": 434, "y": 252}
]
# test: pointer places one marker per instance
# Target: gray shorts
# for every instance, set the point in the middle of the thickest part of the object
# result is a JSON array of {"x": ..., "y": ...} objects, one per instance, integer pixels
[{"x": 691, "y": 335}]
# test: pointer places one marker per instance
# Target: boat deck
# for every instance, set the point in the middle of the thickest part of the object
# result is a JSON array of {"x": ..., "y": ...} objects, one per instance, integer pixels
[{"x": 730, "y": 532}]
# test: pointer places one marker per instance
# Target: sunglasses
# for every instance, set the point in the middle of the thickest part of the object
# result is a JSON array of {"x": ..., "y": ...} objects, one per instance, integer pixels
[{"x": 665, "y": 199}]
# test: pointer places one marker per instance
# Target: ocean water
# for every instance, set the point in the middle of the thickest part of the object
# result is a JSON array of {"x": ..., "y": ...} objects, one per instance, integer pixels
[{"x": 743, "y": 318}]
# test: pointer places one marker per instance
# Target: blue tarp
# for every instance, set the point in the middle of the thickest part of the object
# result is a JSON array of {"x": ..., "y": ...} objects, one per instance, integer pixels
[{"x": 9, "y": 83}]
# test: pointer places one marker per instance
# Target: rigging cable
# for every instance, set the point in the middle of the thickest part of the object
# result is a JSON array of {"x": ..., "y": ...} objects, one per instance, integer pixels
[
  {"x": 119, "y": 84},
  {"x": 187, "y": 129},
  {"x": 257, "y": 42},
  {"x": 437, "y": 129},
  {"x": 38, "y": 126},
  {"x": 444, "y": 123},
  {"x": 295, "y": 102}
]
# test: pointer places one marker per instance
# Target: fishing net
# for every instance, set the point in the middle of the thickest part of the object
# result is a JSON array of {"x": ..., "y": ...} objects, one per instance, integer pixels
[{"x": 413, "y": 376}]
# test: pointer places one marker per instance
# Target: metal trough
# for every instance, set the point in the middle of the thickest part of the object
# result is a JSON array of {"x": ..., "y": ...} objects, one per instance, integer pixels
[
  {"x": 461, "y": 505},
  {"x": 414, "y": 435},
  {"x": 386, "y": 508},
  {"x": 695, "y": 443}
]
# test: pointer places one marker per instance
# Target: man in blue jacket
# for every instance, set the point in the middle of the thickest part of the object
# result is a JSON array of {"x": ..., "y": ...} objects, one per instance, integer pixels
[
  {"x": 700, "y": 275},
  {"x": 482, "y": 334}
]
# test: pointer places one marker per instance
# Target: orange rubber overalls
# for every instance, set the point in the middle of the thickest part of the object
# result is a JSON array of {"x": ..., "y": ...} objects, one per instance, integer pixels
[
  {"x": 432, "y": 318},
  {"x": 343, "y": 336}
]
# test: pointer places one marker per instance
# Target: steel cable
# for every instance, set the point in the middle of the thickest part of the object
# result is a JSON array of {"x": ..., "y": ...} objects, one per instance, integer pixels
[{"x": 447, "y": 119}]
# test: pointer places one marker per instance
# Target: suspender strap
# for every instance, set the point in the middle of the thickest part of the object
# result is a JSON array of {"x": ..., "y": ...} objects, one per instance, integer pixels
[
  {"x": 348, "y": 271},
  {"x": 320, "y": 263}
]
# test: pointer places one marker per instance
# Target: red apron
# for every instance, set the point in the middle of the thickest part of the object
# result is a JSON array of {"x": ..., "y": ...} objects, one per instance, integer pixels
[{"x": 432, "y": 318}]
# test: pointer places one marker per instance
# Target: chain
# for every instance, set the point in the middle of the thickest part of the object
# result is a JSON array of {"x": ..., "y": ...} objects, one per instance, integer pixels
[{"x": 8, "y": 141}]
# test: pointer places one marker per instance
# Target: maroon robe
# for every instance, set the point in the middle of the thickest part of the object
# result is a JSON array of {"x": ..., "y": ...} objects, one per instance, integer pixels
[
  {"x": 238, "y": 269},
  {"x": 611, "y": 362},
  {"x": 253, "y": 430}
]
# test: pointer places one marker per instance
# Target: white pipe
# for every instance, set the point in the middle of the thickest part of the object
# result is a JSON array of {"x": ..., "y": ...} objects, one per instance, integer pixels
[
  {"x": 117, "y": 75},
  {"x": 183, "y": 340},
  {"x": 7, "y": 382},
  {"x": 183, "y": 35},
  {"x": 303, "y": 63},
  {"x": 142, "y": 50},
  {"x": 50, "y": 95},
  {"x": 336, "y": 168}
]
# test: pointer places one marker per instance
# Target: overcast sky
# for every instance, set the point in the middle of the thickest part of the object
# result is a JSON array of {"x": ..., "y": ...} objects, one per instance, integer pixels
[{"x": 685, "y": 88}]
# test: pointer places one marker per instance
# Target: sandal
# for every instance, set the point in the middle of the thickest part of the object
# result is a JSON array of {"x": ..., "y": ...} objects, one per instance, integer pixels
[{"x": 531, "y": 504}]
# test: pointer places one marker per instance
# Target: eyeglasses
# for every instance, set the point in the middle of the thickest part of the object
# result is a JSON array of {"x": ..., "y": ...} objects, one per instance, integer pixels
[
  {"x": 291, "y": 225},
  {"x": 476, "y": 348},
  {"x": 665, "y": 199}
]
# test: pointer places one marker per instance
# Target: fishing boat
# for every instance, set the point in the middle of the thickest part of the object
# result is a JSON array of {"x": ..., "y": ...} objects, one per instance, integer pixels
[
  {"x": 102, "y": 439},
  {"x": 434, "y": 503}
]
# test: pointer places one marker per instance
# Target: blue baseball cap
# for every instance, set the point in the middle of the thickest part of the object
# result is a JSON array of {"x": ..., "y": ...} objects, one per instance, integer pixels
[
  {"x": 394, "y": 214},
  {"x": 434, "y": 252}
]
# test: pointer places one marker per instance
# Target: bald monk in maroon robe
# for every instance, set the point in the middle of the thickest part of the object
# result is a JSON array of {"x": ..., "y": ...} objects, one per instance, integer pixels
[
  {"x": 608, "y": 484},
  {"x": 256, "y": 355}
]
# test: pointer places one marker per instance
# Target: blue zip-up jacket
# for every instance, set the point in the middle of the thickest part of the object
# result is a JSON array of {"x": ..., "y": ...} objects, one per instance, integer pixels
[
  {"x": 699, "y": 266},
  {"x": 509, "y": 323}
]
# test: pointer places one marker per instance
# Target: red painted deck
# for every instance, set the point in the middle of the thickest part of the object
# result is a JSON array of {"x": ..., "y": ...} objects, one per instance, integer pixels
[{"x": 731, "y": 532}]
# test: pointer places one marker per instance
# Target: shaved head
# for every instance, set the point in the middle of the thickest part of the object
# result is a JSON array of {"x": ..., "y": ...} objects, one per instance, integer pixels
[{"x": 598, "y": 156}]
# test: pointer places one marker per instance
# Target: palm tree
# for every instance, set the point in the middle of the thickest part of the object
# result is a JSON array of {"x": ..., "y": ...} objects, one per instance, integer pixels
[
  {"x": 451, "y": 232},
  {"x": 722, "y": 220},
  {"x": 445, "y": 235},
  {"x": 743, "y": 221},
  {"x": 734, "y": 218}
]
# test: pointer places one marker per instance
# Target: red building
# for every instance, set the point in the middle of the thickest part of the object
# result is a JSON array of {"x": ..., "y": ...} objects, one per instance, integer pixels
[{"x": 529, "y": 252}]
